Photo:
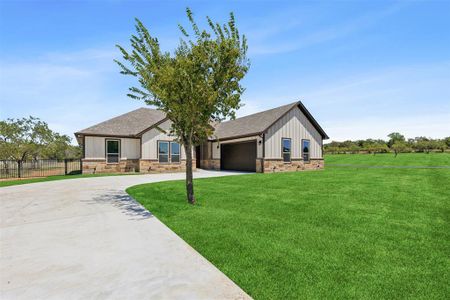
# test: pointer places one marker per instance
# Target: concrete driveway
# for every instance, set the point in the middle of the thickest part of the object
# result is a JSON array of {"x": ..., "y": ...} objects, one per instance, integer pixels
[{"x": 87, "y": 239}]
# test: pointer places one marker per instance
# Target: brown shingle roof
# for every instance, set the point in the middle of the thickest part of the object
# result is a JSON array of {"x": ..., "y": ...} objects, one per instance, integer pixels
[
  {"x": 252, "y": 124},
  {"x": 129, "y": 124},
  {"x": 258, "y": 123}
]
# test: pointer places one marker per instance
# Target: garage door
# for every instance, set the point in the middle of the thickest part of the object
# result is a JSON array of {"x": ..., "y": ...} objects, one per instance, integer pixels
[{"x": 239, "y": 156}]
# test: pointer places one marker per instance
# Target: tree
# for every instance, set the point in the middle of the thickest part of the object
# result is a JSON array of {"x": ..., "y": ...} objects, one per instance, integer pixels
[
  {"x": 447, "y": 141},
  {"x": 422, "y": 144},
  {"x": 395, "y": 137},
  {"x": 438, "y": 145},
  {"x": 399, "y": 147},
  {"x": 196, "y": 85},
  {"x": 30, "y": 137},
  {"x": 59, "y": 147},
  {"x": 442, "y": 145}
]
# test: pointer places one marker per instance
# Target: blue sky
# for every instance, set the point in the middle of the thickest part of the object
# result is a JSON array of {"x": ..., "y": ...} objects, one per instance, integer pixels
[{"x": 363, "y": 68}]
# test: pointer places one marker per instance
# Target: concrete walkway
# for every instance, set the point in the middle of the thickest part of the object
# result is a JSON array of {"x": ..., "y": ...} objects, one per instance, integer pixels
[{"x": 87, "y": 239}]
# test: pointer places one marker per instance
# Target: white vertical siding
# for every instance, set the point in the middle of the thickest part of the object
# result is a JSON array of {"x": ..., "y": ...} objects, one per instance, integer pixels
[
  {"x": 130, "y": 148},
  {"x": 296, "y": 126},
  {"x": 150, "y": 141},
  {"x": 95, "y": 147},
  {"x": 215, "y": 150}
]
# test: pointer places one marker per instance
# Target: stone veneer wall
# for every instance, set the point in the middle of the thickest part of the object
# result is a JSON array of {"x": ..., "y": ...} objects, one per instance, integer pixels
[
  {"x": 91, "y": 166},
  {"x": 210, "y": 164},
  {"x": 277, "y": 165},
  {"x": 154, "y": 166},
  {"x": 259, "y": 165}
]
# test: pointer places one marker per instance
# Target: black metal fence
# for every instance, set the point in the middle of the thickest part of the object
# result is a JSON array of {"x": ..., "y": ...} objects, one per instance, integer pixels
[{"x": 39, "y": 168}]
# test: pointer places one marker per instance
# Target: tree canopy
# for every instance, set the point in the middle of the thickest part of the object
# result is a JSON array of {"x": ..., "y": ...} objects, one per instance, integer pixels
[
  {"x": 196, "y": 85},
  {"x": 396, "y": 143},
  {"x": 30, "y": 137},
  {"x": 395, "y": 137}
]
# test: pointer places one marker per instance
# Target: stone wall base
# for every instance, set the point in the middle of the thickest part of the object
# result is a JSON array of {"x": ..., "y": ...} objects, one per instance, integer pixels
[
  {"x": 100, "y": 166},
  {"x": 154, "y": 166},
  {"x": 259, "y": 165},
  {"x": 210, "y": 164},
  {"x": 274, "y": 165}
]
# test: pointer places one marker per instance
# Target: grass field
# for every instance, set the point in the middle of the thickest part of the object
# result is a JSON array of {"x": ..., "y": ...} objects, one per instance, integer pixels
[
  {"x": 339, "y": 233},
  {"x": 4, "y": 183},
  {"x": 388, "y": 159}
]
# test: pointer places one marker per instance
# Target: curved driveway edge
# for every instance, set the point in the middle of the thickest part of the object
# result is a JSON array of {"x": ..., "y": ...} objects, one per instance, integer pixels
[{"x": 86, "y": 238}]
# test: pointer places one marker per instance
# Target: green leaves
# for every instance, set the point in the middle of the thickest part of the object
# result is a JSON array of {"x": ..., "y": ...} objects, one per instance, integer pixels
[
  {"x": 196, "y": 84},
  {"x": 31, "y": 137}
]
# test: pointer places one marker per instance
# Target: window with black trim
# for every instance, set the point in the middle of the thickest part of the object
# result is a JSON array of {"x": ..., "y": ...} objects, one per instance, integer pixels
[
  {"x": 305, "y": 149},
  {"x": 163, "y": 152},
  {"x": 286, "y": 149},
  {"x": 174, "y": 152},
  {"x": 112, "y": 151},
  {"x": 168, "y": 152}
]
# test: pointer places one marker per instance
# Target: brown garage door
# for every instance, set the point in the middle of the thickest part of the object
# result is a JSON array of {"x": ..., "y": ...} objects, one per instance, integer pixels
[{"x": 239, "y": 156}]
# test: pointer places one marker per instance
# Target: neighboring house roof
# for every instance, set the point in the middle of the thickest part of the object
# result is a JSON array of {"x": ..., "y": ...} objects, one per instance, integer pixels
[
  {"x": 258, "y": 123},
  {"x": 134, "y": 123},
  {"x": 129, "y": 124}
]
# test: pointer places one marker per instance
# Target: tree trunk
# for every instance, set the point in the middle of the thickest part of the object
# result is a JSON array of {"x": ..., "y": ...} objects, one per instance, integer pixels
[{"x": 189, "y": 176}]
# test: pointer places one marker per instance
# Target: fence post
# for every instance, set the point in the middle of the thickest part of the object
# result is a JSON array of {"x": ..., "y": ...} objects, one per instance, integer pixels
[
  {"x": 65, "y": 166},
  {"x": 19, "y": 168},
  {"x": 81, "y": 166}
]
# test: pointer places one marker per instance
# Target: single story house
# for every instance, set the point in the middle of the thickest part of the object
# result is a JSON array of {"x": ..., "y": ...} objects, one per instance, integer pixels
[{"x": 286, "y": 138}]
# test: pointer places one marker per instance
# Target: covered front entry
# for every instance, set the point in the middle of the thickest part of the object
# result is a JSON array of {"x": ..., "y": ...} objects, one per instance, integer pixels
[{"x": 238, "y": 156}]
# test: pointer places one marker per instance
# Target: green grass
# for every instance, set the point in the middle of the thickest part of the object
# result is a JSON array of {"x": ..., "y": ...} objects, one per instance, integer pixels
[
  {"x": 339, "y": 233},
  {"x": 388, "y": 159},
  {"x": 56, "y": 177}
]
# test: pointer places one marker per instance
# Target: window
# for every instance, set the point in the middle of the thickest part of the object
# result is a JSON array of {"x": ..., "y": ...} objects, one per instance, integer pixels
[
  {"x": 163, "y": 152},
  {"x": 112, "y": 151},
  {"x": 286, "y": 149},
  {"x": 168, "y": 152},
  {"x": 305, "y": 150},
  {"x": 174, "y": 152}
]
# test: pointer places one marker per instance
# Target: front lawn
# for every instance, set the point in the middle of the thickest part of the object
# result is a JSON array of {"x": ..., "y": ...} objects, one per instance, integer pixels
[
  {"x": 4, "y": 183},
  {"x": 339, "y": 233},
  {"x": 389, "y": 159}
]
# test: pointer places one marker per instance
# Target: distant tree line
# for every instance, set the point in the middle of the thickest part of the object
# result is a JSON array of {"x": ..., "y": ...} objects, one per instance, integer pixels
[
  {"x": 31, "y": 138},
  {"x": 397, "y": 143}
]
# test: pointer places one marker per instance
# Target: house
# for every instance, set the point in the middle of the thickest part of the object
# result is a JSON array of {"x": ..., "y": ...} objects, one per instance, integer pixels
[{"x": 286, "y": 138}]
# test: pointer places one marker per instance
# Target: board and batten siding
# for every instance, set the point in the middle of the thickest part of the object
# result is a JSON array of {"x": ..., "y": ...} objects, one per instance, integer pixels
[
  {"x": 296, "y": 126},
  {"x": 94, "y": 147},
  {"x": 150, "y": 141}
]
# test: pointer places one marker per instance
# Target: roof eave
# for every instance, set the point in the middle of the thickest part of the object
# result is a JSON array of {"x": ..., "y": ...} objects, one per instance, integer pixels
[
  {"x": 81, "y": 134},
  {"x": 233, "y": 137},
  {"x": 313, "y": 121}
]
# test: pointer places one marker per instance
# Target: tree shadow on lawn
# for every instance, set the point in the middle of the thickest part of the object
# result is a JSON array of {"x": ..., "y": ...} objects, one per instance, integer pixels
[{"x": 125, "y": 203}]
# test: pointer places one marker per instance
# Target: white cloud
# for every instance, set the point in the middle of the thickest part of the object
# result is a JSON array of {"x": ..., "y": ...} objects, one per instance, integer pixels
[
  {"x": 263, "y": 43},
  {"x": 431, "y": 125},
  {"x": 412, "y": 99},
  {"x": 70, "y": 91}
]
